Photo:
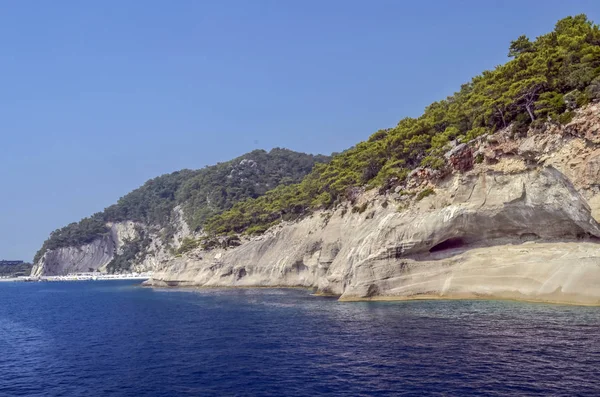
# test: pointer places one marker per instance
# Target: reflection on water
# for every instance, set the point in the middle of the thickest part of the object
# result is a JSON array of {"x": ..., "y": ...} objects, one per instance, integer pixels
[{"x": 112, "y": 338}]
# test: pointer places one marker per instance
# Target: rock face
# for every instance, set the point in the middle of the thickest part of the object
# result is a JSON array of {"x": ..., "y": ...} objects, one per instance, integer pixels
[
  {"x": 481, "y": 235},
  {"x": 95, "y": 255},
  {"x": 99, "y": 253},
  {"x": 90, "y": 257},
  {"x": 519, "y": 226},
  {"x": 460, "y": 157}
]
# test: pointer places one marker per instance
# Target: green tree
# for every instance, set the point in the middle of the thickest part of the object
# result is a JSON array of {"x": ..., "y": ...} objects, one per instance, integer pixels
[
  {"x": 526, "y": 92},
  {"x": 520, "y": 46}
]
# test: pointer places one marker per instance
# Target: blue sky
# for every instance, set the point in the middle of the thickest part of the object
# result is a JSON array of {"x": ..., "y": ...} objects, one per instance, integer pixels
[{"x": 98, "y": 97}]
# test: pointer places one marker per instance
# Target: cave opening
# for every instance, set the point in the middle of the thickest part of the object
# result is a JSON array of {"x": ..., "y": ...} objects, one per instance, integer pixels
[{"x": 451, "y": 243}]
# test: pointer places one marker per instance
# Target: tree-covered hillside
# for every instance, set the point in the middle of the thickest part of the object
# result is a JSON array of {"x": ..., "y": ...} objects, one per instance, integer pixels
[
  {"x": 24, "y": 269},
  {"x": 250, "y": 176},
  {"x": 200, "y": 193},
  {"x": 546, "y": 79}
]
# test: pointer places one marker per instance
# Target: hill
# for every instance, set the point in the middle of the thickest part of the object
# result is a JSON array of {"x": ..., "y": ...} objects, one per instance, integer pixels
[
  {"x": 199, "y": 194},
  {"x": 22, "y": 269}
]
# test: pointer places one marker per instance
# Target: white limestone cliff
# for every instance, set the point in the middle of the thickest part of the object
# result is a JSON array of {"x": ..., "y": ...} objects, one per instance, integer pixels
[
  {"x": 99, "y": 253},
  {"x": 519, "y": 226}
]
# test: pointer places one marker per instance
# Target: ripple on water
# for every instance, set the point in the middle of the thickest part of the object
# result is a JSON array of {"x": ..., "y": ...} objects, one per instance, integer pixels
[{"x": 112, "y": 338}]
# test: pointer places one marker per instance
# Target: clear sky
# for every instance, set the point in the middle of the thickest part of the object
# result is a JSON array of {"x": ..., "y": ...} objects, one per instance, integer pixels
[{"x": 97, "y": 97}]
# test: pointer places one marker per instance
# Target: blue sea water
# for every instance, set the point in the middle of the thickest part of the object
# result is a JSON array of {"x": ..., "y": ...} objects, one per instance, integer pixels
[{"x": 114, "y": 338}]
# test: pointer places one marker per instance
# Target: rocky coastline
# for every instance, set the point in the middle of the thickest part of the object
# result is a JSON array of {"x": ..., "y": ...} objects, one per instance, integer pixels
[
  {"x": 510, "y": 217},
  {"x": 513, "y": 219}
]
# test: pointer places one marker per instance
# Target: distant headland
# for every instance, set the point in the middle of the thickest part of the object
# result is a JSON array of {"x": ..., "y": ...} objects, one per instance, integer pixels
[{"x": 10, "y": 263}]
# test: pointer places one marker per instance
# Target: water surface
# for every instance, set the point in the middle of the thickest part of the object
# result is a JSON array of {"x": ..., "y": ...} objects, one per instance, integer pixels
[{"x": 115, "y": 338}]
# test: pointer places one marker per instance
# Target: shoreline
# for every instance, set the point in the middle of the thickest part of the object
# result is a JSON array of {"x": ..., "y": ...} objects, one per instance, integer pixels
[
  {"x": 384, "y": 298},
  {"x": 468, "y": 298},
  {"x": 80, "y": 277},
  {"x": 315, "y": 293}
]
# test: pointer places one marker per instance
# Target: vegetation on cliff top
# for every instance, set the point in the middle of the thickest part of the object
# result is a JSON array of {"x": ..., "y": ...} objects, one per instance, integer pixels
[
  {"x": 545, "y": 80},
  {"x": 200, "y": 194}
]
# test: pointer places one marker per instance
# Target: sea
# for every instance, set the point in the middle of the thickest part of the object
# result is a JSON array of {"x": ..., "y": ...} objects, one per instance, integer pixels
[{"x": 116, "y": 338}]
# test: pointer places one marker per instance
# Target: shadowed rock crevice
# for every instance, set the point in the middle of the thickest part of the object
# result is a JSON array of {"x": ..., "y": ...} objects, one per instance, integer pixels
[
  {"x": 299, "y": 267},
  {"x": 241, "y": 273},
  {"x": 528, "y": 237},
  {"x": 372, "y": 290},
  {"x": 449, "y": 244}
]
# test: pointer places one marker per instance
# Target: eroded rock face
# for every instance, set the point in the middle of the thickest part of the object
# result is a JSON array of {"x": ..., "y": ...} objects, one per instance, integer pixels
[
  {"x": 89, "y": 257},
  {"x": 99, "y": 253},
  {"x": 461, "y": 157},
  {"x": 391, "y": 254},
  {"x": 562, "y": 272},
  {"x": 587, "y": 124},
  {"x": 76, "y": 259}
]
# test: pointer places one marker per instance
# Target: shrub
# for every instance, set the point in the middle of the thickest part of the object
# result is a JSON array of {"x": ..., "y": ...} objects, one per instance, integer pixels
[
  {"x": 474, "y": 133},
  {"x": 575, "y": 99},
  {"x": 436, "y": 163},
  {"x": 566, "y": 117},
  {"x": 424, "y": 193},
  {"x": 188, "y": 244},
  {"x": 593, "y": 90},
  {"x": 257, "y": 229}
]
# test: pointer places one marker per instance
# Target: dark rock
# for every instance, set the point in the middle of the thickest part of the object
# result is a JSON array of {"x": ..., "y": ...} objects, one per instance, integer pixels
[{"x": 461, "y": 157}]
